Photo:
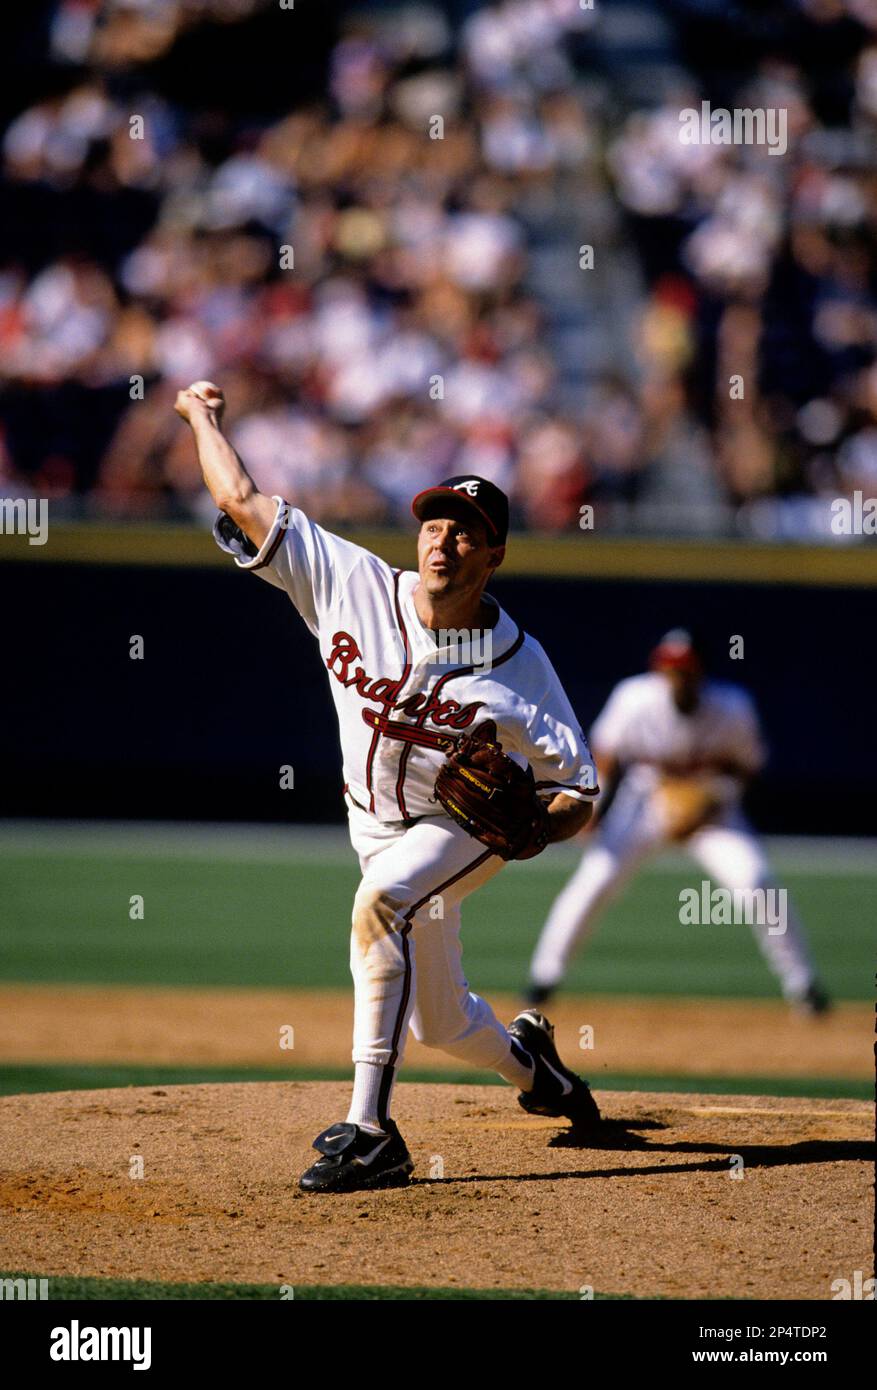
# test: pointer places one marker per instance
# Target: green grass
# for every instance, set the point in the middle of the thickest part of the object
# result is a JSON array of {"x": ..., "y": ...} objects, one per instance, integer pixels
[
  {"x": 18, "y": 1079},
  {"x": 70, "y": 1287},
  {"x": 274, "y": 910}
]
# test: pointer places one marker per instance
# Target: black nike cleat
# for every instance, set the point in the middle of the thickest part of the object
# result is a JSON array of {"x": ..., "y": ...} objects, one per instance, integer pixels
[
  {"x": 352, "y": 1159},
  {"x": 534, "y": 995},
  {"x": 813, "y": 1002},
  {"x": 557, "y": 1090}
]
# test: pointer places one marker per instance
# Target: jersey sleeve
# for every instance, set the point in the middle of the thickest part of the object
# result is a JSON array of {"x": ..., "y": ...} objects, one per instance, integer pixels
[
  {"x": 555, "y": 746},
  {"x": 311, "y": 564}
]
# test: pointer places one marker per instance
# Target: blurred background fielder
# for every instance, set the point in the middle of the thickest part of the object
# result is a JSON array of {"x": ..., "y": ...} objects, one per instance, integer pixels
[{"x": 680, "y": 749}]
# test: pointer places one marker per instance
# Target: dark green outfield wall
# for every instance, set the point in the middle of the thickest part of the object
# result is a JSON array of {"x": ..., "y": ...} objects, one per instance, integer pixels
[{"x": 231, "y": 686}]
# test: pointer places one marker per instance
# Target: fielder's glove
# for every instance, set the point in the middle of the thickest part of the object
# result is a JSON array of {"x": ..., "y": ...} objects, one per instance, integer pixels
[
  {"x": 491, "y": 797},
  {"x": 687, "y": 803}
]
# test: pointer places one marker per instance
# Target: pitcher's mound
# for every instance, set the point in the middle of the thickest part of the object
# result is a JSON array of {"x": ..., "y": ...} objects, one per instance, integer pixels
[{"x": 687, "y": 1196}]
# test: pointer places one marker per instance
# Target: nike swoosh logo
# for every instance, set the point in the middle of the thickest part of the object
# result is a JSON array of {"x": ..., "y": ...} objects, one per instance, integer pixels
[
  {"x": 366, "y": 1159},
  {"x": 567, "y": 1085}
]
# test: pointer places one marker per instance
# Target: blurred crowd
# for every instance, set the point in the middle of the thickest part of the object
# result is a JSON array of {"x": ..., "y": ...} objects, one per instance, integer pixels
[{"x": 384, "y": 280}]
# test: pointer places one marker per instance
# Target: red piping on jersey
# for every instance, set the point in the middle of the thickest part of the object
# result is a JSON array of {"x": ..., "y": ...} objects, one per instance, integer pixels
[
  {"x": 449, "y": 675},
  {"x": 275, "y": 544},
  {"x": 407, "y": 733},
  {"x": 368, "y": 768},
  {"x": 406, "y": 670}
]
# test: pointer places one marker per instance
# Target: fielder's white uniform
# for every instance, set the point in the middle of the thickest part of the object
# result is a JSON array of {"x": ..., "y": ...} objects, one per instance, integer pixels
[
  {"x": 396, "y": 695},
  {"x": 642, "y": 728}
]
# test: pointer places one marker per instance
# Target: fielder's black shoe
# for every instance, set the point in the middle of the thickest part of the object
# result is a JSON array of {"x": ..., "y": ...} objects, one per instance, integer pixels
[
  {"x": 813, "y": 1002},
  {"x": 352, "y": 1159},
  {"x": 534, "y": 995},
  {"x": 556, "y": 1090}
]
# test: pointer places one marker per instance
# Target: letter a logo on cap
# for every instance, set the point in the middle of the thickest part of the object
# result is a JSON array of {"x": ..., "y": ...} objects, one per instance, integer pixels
[{"x": 483, "y": 496}]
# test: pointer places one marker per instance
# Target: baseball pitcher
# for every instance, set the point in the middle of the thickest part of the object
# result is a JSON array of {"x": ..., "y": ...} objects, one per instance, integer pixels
[
  {"x": 680, "y": 749},
  {"x": 460, "y": 752}
]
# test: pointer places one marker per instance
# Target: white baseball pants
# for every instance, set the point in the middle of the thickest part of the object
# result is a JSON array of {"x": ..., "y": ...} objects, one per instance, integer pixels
[
  {"x": 728, "y": 851},
  {"x": 405, "y": 949}
]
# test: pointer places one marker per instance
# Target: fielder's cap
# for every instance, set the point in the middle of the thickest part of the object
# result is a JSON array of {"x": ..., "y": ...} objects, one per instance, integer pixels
[
  {"x": 678, "y": 650},
  {"x": 478, "y": 494}
]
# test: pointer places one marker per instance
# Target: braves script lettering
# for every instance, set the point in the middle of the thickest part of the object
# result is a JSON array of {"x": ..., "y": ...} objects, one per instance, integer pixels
[{"x": 443, "y": 713}]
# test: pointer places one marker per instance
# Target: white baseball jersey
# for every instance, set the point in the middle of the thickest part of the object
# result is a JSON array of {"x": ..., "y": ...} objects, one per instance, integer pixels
[
  {"x": 643, "y": 729},
  {"x": 641, "y": 726},
  {"x": 396, "y": 692}
]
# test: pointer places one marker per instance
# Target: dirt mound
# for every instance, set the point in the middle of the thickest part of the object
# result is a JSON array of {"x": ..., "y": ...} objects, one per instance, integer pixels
[{"x": 500, "y": 1200}]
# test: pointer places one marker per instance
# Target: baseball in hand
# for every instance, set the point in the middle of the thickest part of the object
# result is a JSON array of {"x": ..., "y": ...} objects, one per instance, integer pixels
[{"x": 206, "y": 391}]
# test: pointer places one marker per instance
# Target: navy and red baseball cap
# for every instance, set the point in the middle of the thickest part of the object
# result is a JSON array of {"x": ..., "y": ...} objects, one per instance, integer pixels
[
  {"x": 479, "y": 495},
  {"x": 678, "y": 650}
]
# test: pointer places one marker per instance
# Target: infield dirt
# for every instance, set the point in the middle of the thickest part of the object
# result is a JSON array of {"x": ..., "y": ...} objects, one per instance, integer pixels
[{"x": 93, "y": 1024}]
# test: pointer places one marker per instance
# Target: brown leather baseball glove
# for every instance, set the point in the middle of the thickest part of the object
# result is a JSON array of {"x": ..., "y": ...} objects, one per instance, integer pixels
[
  {"x": 686, "y": 803},
  {"x": 491, "y": 797}
]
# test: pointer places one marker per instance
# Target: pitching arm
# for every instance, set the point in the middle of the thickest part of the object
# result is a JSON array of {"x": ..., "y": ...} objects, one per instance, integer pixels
[{"x": 225, "y": 476}]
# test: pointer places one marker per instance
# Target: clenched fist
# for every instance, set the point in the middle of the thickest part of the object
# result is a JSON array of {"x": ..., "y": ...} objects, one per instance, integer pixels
[{"x": 200, "y": 395}]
